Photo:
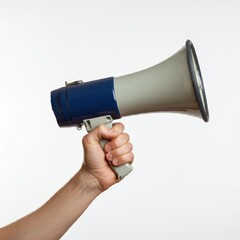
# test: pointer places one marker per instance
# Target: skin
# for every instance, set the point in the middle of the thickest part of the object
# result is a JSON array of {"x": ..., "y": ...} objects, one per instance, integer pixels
[{"x": 57, "y": 215}]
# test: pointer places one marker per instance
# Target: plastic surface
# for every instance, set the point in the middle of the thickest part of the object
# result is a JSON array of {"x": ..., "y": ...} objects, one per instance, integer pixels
[
  {"x": 174, "y": 85},
  {"x": 60, "y": 107},
  {"x": 73, "y": 104},
  {"x": 167, "y": 86},
  {"x": 196, "y": 76}
]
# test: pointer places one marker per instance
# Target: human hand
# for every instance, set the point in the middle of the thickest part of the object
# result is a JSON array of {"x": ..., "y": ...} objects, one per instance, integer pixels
[{"x": 118, "y": 150}]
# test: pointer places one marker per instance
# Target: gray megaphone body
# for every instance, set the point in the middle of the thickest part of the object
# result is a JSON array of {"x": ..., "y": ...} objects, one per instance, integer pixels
[{"x": 174, "y": 85}]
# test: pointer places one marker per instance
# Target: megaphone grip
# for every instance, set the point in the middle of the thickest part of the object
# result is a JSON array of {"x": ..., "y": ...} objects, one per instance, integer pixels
[{"x": 90, "y": 124}]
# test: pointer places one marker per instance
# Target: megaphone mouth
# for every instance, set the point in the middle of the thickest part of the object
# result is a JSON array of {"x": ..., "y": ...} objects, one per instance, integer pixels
[{"x": 196, "y": 76}]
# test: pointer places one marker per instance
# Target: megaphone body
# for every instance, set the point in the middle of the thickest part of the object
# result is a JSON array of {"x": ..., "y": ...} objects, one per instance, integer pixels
[{"x": 174, "y": 85}]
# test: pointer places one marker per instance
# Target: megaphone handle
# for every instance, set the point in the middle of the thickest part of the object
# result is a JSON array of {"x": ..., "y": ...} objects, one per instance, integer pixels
[{"x": 92, "y": 123}]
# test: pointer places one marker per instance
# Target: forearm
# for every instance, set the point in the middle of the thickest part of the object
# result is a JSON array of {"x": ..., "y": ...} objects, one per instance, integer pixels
[{"x": 57, "y": 215}]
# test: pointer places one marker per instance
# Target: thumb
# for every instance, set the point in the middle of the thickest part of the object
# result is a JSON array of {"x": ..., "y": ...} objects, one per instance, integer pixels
[
  {"x": 102, "y": 132},
  {"x": 110, "y": 133}
]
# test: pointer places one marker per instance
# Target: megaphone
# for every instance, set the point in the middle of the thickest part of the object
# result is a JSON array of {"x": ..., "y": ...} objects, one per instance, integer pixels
[{"x": 174, "y": 85}]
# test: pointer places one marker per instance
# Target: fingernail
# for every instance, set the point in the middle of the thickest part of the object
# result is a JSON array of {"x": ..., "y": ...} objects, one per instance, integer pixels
[
  {"x": 110, "y": 156},
  {"x": 115, "y": 162},
  {"x": 108, "y": 148}
]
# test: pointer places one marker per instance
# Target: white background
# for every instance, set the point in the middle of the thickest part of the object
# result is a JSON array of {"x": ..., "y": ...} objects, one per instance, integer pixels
[{"x": 186, "y": 181}]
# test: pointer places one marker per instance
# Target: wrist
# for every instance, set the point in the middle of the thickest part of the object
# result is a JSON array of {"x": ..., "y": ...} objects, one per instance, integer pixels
[{"x": 87, "y": 182}]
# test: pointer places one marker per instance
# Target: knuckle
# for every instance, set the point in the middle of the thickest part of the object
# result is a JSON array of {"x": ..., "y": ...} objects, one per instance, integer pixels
[
  {"x": 85, "y": 139},
  {"x": 131, "y": 156},
  {"x": 126, "y": 135},
  {"x": 130, "y": 146},
  {"x": 121, "y": 140},
  {"x": 119, "y": 125},
  {"x": 126, "y": 158},
  {"x": 115, "y": 143}
]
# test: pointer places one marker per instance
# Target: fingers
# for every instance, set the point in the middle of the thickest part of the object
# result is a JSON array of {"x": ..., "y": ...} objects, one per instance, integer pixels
[
  {"x": 119, "y": 159},
  {"x": 106, "y": 133},
  {"x": 119, "y": 150}
]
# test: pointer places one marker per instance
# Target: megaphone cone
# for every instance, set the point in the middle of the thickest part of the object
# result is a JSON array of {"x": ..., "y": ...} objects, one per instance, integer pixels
[{"x": 174, "y": 85}]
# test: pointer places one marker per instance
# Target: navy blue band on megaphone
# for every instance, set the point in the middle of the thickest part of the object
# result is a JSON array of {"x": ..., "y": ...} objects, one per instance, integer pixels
[{"x": 73, "y": 104}]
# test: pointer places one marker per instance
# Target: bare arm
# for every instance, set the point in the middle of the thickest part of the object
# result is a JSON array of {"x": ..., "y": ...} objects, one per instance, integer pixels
[{"x": 57, "y": 215}]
